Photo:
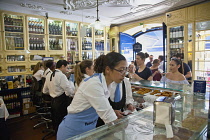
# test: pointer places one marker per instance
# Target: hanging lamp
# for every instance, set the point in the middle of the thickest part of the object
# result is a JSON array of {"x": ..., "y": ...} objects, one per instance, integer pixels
[{"x": 97, "y": 24}]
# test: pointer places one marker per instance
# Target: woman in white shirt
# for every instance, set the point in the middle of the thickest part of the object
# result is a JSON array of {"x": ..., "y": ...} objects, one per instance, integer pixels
[
  {"x": 120, "y": 95},
  {"x": 91, "y": 99},
  {"x": 175, "y": 76},
  {"x": 38, "y": 73},
  {"x": 83, "y": 70}
]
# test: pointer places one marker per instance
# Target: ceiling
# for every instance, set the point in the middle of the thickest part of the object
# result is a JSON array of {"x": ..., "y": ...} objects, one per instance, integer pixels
[{"x": 110, "y": 11}]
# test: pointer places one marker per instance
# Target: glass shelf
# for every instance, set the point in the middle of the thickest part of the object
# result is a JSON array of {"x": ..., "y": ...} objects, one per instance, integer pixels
[
  {"x": 14, "y": 41},
  {"x": 36, "y": 42},
  {"x": 36, "y": 25},
  {"x": 15, "y": 58}
]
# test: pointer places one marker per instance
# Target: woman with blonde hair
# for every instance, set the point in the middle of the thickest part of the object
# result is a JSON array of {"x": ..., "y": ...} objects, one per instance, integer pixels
[{"x": 83, "y": 70}]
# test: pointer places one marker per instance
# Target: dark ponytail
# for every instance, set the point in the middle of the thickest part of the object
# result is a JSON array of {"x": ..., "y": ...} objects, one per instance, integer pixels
[
  {"x": 179, "y": 62},
  {"x": 111, "y": 60},
  {"x": 142, "y": 55}
]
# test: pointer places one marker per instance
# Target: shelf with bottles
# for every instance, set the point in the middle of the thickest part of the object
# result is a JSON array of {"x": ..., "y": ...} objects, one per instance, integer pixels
[
  {"x": 36, "y": 25},
  {"x": 86, "y": 31},
  {"x": 14, "y": 41},
  {"x": 55, "y": 27},
  {"x": 14, "y": 58},
  {"x": 72, "y": 44},
  {"x": 71, "y": 29},
  {"x": 87, "y": 55},
  {"x": 36, "y": 57},
  {"x": 99, "y": 34},
  {"x": 16, "y": 69},
  {"x": 176, "y": 34},
  {"x": 86, "y": 44},
  {"x": 99, "y": 45},
  {"x": 36, "y": 42},
  {"x": 72, "y": 56},
  {"x": 173, "y": 46},
  {"x": 55, "y": 43},
  {"x": 57, "y": 57},
  {"x": 13, "y": 23}
]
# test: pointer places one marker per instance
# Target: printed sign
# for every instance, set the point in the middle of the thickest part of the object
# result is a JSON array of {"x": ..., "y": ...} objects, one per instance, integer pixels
[{"x": 199, "y": 86}]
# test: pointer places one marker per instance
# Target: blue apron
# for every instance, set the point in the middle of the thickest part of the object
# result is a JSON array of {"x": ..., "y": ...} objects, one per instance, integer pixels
[{"x": 78, "y": 123}]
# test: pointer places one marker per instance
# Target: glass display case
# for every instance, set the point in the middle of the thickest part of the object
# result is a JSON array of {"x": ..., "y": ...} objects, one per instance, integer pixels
[
  {"x": 13, "y": 27},
  {"x": 15, "y": 58},
  {"x": 191, "y": 117},
  {"x": 176, "y": 40}
]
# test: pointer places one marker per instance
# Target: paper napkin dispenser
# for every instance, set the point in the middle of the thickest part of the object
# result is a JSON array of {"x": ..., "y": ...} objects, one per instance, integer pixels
[{"x": 164, "y": 114}]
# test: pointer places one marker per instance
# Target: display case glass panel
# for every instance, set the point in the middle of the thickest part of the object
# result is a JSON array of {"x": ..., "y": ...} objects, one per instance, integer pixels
[
  {"x": 36, "y": 25},
  {"x": 16, "y": 68},
  {"x": 87, "y": 55},
  {"x": 55, "y": 27},
  {"x": 37, "y": 42},
  {"x": 13, "y": 23},
  {"x": 99, "y": 34},
  {"x": 55, "y": 43},
  {"x": 71, "y": 29},
  {"x": 36, "y": 57},
  {"x": 16, "y": 58},
  {"x": 14, "y": 41},
  {"x": 86, "y": 31}
]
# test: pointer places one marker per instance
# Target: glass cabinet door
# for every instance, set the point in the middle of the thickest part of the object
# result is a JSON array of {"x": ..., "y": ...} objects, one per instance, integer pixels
[
  {"x": 16, "y": 58},
  {"x": 13, "y": 26},
  {"x": 71, "y": 29},
  {"x": 87, "y": 48},
  {"x": 202, "y": 51},
  {"x": 36, "y": 25},
  {"x": 14, "y": 41},
  {"x": 176, "y": 41},
  {"x": 36, "y": 57},
  {"x": 55, "y": 27},
  {"x": 57, "y": 57}
]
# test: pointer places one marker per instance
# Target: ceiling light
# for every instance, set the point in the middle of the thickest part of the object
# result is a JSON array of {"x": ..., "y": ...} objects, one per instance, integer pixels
[{"x": 97, "y": 24}]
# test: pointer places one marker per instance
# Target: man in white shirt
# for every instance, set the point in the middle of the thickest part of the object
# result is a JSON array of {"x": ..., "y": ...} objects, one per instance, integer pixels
[{"x": 61, "y": 90}]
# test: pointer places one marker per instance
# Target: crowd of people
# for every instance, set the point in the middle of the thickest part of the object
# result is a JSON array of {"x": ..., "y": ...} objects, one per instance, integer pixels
[{"x": 99, "y": 93}]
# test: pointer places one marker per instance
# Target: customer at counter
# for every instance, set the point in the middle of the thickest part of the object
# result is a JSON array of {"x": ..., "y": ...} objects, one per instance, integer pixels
[
  {"x": 83, "y": 70},
  {"x": 142, "y": 72},
  {"x": 61, "y": 90},
  {"x": 91, "y": 99},
  {"x": 155, "y": 71},
  {"x": 175, "y": 76},
  {"x": 120, "y": 93}
]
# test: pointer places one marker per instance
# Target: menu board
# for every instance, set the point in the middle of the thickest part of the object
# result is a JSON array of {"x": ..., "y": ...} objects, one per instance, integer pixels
[{"x": 199, "y": 86}]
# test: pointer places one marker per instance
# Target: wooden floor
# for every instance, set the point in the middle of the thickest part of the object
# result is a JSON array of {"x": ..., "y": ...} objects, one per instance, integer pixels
[{"x": 21, "y": 128}]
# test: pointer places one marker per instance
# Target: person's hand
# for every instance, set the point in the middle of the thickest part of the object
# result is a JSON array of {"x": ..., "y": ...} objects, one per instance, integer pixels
[
  {"x": 130, "y": 107},
  {"x": 118, "y": 113}
]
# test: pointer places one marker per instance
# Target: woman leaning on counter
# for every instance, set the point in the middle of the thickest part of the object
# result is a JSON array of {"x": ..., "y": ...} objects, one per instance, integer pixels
[
  {"x": 120, "y": 93},
  {"x": 91, "y": 99}
]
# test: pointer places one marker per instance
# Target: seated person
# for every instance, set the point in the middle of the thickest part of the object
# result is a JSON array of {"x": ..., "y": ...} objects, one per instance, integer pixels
[
  {"x": 155, "y": 71},
  {"x": 175, "y": 76}
]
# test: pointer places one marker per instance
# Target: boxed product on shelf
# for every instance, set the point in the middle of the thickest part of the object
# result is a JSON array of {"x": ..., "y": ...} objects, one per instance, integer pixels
[
  {"x": 29, "y": 110},
  {"x": 27, "y": 105}
]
